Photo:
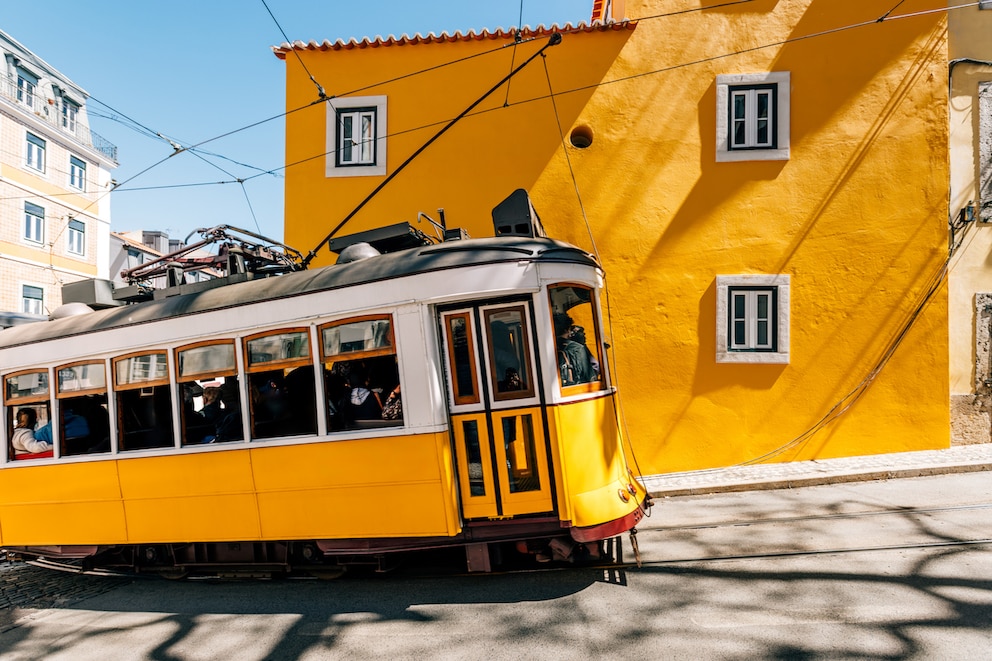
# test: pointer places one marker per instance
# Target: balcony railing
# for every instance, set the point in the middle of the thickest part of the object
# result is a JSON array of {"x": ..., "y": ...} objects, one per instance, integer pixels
[{"x": 51, "y": 112}]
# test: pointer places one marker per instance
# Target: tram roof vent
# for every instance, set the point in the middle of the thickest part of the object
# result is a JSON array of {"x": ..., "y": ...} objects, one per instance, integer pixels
[
  {"x": 515, "y": 216},
  {"x": 70, "y": 310},
  {"x": 357, "y": 252}
]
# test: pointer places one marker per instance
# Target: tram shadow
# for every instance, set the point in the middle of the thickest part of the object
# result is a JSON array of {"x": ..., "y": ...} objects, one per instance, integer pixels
[{"x": 289, "y": 618}]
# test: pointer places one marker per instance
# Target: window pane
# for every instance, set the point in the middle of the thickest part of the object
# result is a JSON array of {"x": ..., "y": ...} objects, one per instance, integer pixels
[
  {"x": 211, "y": 358},
  {"x": 762, "y": 340},
  {"x": 145, "y": 416},
  {"x": 366, "y": 335},
  {"x": 521, "y": 455},
  {"x": 346, "y": 139},
  {"x": 281, "y": 346},
  {"x": 740, "y": 334},
  {"x": 509, "y": 353},
  {"x": 740, "y": 105},
  {"x": 33, "y": 384},
  {"x": 142, "y": 369},
  {"x": 473, "y": 451},
  {"x": 463, "y": 359},
  {"x": 764, "y": 101},
  {"x": 33, "y": 300},
  {"x": 77, "y": 173},
  {"x": 577, "y": 337},
  {"x": 762, "y": 305},
  {"x": 368, "y": 126},
  {"x": 740, "y": 306},
  {"x": 82, "y": 377}
]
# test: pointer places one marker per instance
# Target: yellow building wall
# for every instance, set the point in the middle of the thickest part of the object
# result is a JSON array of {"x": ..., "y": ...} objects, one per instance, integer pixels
[{"x": 856, "y": 216}]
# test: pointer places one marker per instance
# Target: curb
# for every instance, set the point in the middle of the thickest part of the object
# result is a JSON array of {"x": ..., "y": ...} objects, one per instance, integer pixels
[{"x": 818, "y": 480}]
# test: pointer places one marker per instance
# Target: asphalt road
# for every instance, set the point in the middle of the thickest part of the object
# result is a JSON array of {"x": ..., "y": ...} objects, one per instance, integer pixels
[{"x": 883, "y": 570}]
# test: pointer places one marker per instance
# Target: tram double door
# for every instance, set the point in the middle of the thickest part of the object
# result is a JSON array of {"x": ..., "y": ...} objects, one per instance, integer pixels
[{"x": 497, "y": 417}]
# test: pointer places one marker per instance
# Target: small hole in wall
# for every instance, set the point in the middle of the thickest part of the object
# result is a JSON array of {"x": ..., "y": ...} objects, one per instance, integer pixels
[{"x": 580, "y": 137}]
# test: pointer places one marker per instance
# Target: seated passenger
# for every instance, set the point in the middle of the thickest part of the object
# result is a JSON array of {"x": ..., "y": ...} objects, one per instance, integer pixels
[
  {"x": 75, "y": 427},
  {"x": 364, "y": 403},
  {"x": 23, "y": 439},
  {"x": 211, "y": 411},
  {"x": 575, "y": 362}
]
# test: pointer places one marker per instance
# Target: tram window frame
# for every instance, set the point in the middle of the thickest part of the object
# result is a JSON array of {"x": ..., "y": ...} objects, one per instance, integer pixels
[
  {"x": 129, "y": 394},
  {"x": 596, "y": 348},
  {"x": 34, "y": 400},
  {"x": 338, "y": 395},
  {"x": 465, "y": 358},
  {"x": 229, "y": 426},
  {"x": 298, "y": 416},
  {"x": 85, "y": 402},
  {"x": 527, "y": 379}
]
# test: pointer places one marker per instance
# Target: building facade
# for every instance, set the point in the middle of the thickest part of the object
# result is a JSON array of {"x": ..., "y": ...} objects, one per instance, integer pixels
[
  {"x": 970, "y": 279},
  {"x": 765, "y": 184},
  {"x": 55, "y": 181}
]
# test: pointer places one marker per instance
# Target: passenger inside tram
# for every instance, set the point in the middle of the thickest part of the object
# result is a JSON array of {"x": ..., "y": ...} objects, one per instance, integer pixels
[
  {"x": 283, "y": 404},
  {"x": 575, "y": 361},
  {"x": 23, "y": 438},
  {"x": 85, "y": 426},
  {"x": 355, "y": 391}
]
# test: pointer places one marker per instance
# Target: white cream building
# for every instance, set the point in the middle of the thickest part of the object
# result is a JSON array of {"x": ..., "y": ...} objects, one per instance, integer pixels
[
  {"x": 970, "y": 200},
  {"x": 55, "y": 182}
]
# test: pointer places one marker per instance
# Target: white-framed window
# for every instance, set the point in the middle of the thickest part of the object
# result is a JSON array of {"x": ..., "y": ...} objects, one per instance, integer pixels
[
  {"x": 35, "y": 149},
  {"x": 76, "y": 237},
  {"x": 752, "y": 318},
  {"x": 752, "y": 120},
  {"x": 69, "y": 112},
  {"x": 356, "y": 137},
  {"x": 34, "y": 223},
  {"x": 32, "y": 300},
  {"x": 77, "y": 173},
  {"x": 25, "y": 88}
]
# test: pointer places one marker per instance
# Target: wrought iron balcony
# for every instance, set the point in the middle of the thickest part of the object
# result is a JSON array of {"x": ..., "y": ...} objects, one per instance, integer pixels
[{"x": 57, "y": 113}]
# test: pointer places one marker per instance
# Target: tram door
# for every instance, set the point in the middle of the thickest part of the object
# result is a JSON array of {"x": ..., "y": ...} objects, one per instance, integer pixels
[{"x": 496, "y": 416}]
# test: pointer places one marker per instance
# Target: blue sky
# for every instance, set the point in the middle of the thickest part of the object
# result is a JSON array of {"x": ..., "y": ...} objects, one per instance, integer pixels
[{"x": 195, "y": 70}]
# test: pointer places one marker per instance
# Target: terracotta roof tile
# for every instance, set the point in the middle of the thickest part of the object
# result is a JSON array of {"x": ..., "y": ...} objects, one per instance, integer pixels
[{"x": 499, "y": 33}]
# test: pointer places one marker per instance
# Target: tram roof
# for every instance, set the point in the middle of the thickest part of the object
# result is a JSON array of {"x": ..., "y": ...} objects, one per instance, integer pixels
[{"x": 402, "y": 263}]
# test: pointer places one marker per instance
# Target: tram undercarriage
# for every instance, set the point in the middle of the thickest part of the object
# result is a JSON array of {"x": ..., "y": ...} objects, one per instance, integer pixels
[{"x": 487, "y": 546}]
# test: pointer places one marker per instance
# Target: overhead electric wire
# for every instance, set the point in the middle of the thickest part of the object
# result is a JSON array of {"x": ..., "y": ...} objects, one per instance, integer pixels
[
  {"x": 884, "y": 18},
  {"x": 320, "y": 89},
  {"x": 554, "y": 40}
]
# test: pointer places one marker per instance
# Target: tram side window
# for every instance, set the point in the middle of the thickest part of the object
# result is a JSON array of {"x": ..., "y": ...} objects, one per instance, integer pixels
[
  {"x": 577, "y": 336},
  {"x": 84, "y": 422},
  {"x": 28, "y": 414},
  {"x": 361, "y": 376},
  {"x": 281, "y": 381},
  {"x": 144, "y": 401},
  {"x": 208, "y": 382}
]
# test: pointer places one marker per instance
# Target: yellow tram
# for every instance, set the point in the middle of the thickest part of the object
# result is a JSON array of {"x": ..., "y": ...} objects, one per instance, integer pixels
[{"x": 494, "y": 438}]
